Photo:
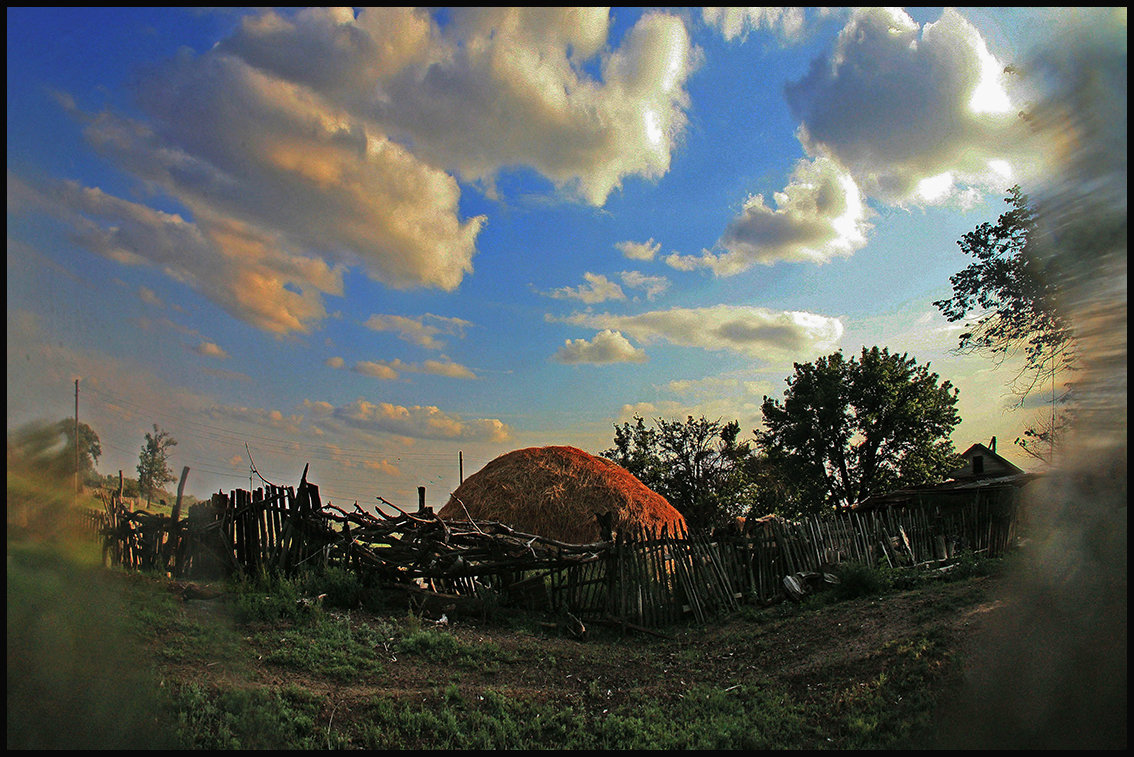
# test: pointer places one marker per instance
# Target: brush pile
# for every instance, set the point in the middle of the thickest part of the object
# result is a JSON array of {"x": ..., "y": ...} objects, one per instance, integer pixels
[
  {"x": 422, "y": 545},
  {"x": 561, "y": 493}
]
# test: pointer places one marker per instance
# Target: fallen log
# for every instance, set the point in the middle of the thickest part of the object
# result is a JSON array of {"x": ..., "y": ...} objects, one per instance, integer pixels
[{"x": 434, "y": 604}]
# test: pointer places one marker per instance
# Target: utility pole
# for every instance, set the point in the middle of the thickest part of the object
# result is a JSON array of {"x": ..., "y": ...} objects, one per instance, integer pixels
[
  {"x": 461, "y": 466},
  {"x": 1051, "y": 442},
  {"x": 76, "y": 437}
]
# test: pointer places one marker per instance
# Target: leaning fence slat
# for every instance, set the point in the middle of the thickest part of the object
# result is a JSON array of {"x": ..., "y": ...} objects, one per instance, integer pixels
[{"x": 646, "y": 577}]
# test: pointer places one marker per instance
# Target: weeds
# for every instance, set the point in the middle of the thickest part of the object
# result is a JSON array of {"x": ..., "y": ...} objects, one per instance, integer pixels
[
  {"x": 250, "y": 719},
  {"x": 441, "y": 647},
  {"x": 326, "y": 645},
  {"x": 859, "y": 580}
]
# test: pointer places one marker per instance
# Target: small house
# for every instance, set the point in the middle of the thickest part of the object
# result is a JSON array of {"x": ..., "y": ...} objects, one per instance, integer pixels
[
  {"x": 987, "y": 485},
  {"x": 982, "y": 463}
]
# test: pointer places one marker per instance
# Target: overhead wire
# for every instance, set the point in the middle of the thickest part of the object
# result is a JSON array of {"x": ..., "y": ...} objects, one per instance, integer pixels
[
  {"x": 224, "y": 434},
  {"x": 344, "y": 457}
]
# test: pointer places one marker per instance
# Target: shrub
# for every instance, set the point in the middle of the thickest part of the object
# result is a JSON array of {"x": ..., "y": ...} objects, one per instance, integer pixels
[
  {"x": 269, "y": 598},
  {"x": 338, "y": 587},
  {"x": 859, "y": 580}
]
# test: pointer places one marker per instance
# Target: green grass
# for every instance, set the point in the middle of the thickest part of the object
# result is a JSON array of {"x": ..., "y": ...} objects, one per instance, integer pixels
[
  {"x": 327, "y": 645},
  {"x": 439, "y": 646},
  {"x": 77, "y": 678},
  {"x": 100, "y": 623},
  {"x": 895, "y": 708},
  {"x": 94, "y": 655},
  {"x": 237, "y": 718},
  {"x": 705, "y": 717},
  {"x": 112, "y": 625}
]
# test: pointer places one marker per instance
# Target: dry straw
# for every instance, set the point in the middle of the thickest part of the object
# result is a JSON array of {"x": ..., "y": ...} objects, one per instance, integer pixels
[{"x": 556, "y": 492}]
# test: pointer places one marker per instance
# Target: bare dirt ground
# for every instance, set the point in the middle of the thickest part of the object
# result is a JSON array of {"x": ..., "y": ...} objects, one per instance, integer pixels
[{"x": 812, "y": 651}]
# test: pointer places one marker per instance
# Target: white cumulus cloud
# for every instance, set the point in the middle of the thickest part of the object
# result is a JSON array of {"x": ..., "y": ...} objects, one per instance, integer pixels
[
  {"x": 312, "y": 142},
  {"x": 392, "y": 369},
  {"x": 897, "y": 104},
  {"x": 768, "y": 335},
  {"x": 652, "y": 286},
  {"x": 210, "y": 349},
  {"x": 734, "y": 22},
  {"x": 820, "y": 215},
  {"x": 606, "y": 347},
  {"x": 377, "y": 369},
  {"x": 447, "y": 368},
  {"x": 423, "y": 331},
  {"x": 417, "y": 422},
  {"x": 250, "y": 273},
  {"x": 598, "y": 288},
  {"x": 507, "y": 87},
  {"x": 639, "y": 250}
]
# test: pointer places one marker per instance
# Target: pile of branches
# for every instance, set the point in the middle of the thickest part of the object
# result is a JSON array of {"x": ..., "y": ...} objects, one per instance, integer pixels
[{"x": 422, "y": 545}]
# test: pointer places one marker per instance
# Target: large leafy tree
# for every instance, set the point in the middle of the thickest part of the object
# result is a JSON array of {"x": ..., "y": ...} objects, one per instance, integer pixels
[
  {"x": 48, "y": 450},
  {"x": 154, "y": 471},
  {"x": 775, "y": 488},
  {"x": 696, "y": 464},
  {"x": 847, "y": 429},
  {"x": 1009, "y": 297}
]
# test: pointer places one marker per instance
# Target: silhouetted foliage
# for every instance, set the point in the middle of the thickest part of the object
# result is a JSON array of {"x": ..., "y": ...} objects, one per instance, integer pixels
[
  {"x": 847, "y": 429},
  {"x": 153, "y": 463},
  {"x": 698, "y": 465},
  {"x": 47, "y": 450},
  {"x": 1010, "y": 296}
]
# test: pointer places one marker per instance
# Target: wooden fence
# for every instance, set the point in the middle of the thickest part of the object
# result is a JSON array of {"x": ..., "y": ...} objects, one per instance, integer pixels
[
  {"x": 647, "y": 578},
  {"x": 271, "y": 528}
]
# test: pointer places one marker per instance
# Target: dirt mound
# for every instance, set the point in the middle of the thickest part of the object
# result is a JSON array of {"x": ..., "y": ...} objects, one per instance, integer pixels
[{"x": 556, "y": 492}]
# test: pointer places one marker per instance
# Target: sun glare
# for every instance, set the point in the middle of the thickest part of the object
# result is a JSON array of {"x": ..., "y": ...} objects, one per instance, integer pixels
[
  {"x": 989, "y": 95},
  {"x": 935, "y": 187},
  {"x": 653, "y": 128}
]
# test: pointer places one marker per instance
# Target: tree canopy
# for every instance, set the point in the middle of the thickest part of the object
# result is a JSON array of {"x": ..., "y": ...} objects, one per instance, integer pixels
[
  {"x": 153, "y": 463},
  {"x": 696, "y": 464},
  {"x": 1010, "y": 294},
  {"x": 48, "y": 449},
  {"x": 847, "y": 429}
]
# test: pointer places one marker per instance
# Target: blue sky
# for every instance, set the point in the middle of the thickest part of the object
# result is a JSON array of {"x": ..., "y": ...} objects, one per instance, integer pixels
[{"x": 373, "y": 240}]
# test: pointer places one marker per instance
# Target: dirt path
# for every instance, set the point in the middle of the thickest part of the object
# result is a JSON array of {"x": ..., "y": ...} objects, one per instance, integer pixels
[{"x": 806, "y": 650}]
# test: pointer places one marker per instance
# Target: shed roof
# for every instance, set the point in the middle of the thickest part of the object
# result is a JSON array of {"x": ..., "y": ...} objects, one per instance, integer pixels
[{"x": 983, "y": 462}]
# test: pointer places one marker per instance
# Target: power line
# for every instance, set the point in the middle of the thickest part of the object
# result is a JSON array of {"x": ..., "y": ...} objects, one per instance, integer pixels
[
  {"x": 430, "y": 466},
  {"x": 217, "y": 433}
]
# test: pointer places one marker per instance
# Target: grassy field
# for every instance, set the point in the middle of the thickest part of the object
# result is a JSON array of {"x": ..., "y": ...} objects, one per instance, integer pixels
[{"x": 101, "y": 658}]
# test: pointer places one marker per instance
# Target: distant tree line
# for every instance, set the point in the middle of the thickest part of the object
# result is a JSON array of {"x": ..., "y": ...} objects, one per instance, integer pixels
[
  {"x": 46, "y": 451},
  {"x": 846, "y": 429}
]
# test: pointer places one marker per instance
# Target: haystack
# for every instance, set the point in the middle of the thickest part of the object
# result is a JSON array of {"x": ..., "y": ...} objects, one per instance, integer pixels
[{"x": 556, "y": 492}]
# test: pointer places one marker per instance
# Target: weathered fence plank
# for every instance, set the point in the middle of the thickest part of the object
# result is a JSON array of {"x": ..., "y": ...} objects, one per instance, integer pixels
[{"x": 646, "y": 578}]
